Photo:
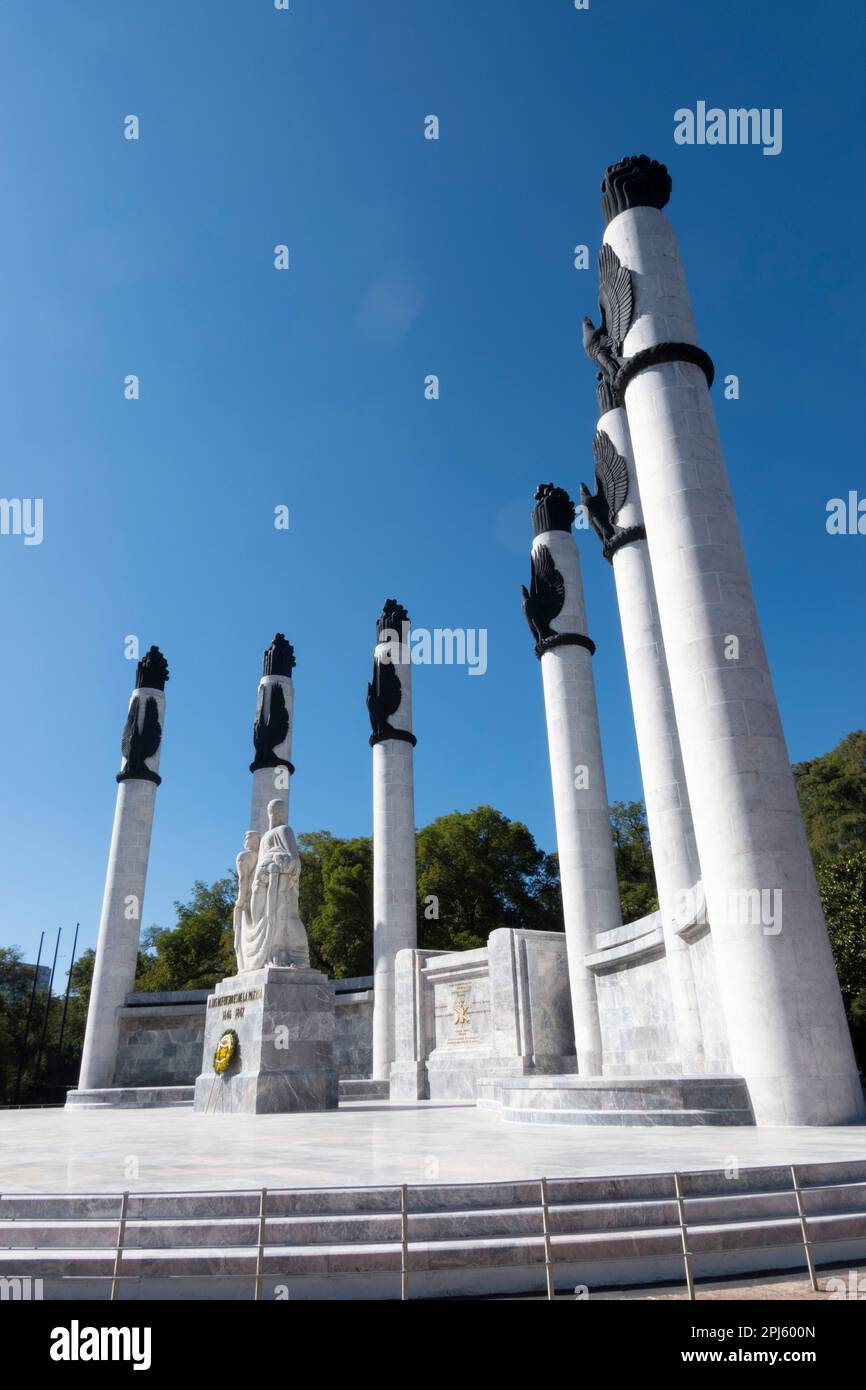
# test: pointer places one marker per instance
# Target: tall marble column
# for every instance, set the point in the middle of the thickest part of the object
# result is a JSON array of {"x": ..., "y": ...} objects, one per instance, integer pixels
[
  {"x": 616, "y": 515},
  {"x": 120, "y": 922},
  {"x": 272, "y": 732},
  {"x": 780, "y": 995},
  {"x": 556, "y": 614},
  {"x": 389, "y": 703}
]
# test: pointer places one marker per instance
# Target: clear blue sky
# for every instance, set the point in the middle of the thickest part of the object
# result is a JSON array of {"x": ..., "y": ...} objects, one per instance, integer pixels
[{"x": 306, "y": 388}]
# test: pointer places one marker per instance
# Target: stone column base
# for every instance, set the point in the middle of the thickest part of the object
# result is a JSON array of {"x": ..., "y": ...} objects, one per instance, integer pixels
[
  {"x": 409, "y": 1081},
  {"x": 284, "y": 1021}
]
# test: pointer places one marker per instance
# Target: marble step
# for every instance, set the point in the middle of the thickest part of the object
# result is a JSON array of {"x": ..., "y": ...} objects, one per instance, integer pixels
[
  {"x": 846, "y": 1233},
  {"x": 824, "y": 1187},
  {"x": 131, "y": 1098},
  {"x": 364, "y": 1089},
  {"x": 468, "y": 1239},
  {"x": 159, "y": 1097},
  {"x": 663, "y": 1100},
  {"x": 627, "y": 1117},
  {"x": 565, "y": 1218}
]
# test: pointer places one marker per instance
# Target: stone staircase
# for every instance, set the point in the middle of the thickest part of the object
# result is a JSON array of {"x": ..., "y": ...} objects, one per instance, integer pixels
[
  {"x": 470, "y": 1239},
  {"x": 633, "y": 1100},
  {"x": 160, "y": 1097}
]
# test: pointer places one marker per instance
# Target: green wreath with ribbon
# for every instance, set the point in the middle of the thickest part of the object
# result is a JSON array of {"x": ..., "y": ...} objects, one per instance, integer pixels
[{"x": 226, "y": 1050}]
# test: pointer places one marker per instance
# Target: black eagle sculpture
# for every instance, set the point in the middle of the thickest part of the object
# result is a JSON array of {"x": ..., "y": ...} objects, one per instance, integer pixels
[
  {"x": 137, "y": 745},
  {"x": 603, "y": 345},
  {"x": 611, "y": 478},
  {"x": 543, "y": 600},
  {"x": 269, "y": 732},
  {"x": 384, "y": 694}
]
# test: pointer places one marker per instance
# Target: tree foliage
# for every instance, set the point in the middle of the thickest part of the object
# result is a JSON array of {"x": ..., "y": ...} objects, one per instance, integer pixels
[
  {"x": 842, "y": 884},
  {"x": 478, "y": 870},
  {"x": 45, "y": 1076},
  {"x": 634, "y": 861},
  {"x": 336, "y": 902},
  {"x": 199, "y": 950},
  {"x": 832, "y": 792}
]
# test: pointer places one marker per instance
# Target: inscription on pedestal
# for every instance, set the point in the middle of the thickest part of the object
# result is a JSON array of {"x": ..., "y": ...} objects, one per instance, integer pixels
[
  {"x": 462, "y": 1013},
  {"x": 283, "y": 1059}
]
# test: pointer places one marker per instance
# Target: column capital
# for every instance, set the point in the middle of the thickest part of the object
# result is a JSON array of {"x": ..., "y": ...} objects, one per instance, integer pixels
[
  {"x": 279, "y": 658},
  {"x": 391, "y": 619},
  {"x": 388, "y": 690},
  {"x": 554, "y": 586},
  {"x": 151, "y": 672},
  {"x": 553, "y": 510},
  {"x": 635, "y": 182},
  {"x": 142, "y": 733}
]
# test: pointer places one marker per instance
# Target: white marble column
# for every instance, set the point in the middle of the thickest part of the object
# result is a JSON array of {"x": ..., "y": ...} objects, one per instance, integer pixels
[
  {"x": 778, "y": 986},
  {"x": 556, "y": 614},
  {"x": 272, "y": 732},
  {"x": 389, "y": 702},
  {"x": 120, "y": 922},
  {"x": 669, "y": 817}
]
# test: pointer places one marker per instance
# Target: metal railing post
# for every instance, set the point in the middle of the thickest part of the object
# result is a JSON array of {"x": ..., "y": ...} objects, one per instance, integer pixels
[
  {"x": 260, "y": 1253},
  {"x": 684, "y": 1234},
  {"x": 804, "y": 1229},
  {"x": 118, "y": 1249},
  {"x": 545, "y": 1226},
  {"x": 404, "y": 1244}
]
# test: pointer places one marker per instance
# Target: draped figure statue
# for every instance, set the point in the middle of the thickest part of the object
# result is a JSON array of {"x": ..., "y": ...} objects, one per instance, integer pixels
[{"x": 268, "y": 928}]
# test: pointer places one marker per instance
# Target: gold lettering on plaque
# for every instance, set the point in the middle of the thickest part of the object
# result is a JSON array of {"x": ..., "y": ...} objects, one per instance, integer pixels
[
  {"x": 221, "y": 1001},
  {"x": 461, "y": 1014},
  {"x": 460, "y": 1001}
]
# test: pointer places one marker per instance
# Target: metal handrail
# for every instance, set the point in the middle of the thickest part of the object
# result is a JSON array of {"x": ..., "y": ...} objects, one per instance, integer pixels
[
  {"x": 684, "y": 1236},
  {"x": 118, "y": 1251},
  {"x": 546, "y": 1236},
  {"x": 548, "y": 1253},
  {"x": 804, "y": 1229},
  {"x": 260, "y": 1253},
  {"x": 404, "y": 1243}
]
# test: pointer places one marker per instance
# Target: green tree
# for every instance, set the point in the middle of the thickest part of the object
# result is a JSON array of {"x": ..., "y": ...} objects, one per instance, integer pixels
[
  {"x": 634, "y": 861},
  {"x": 832, "y": 792},
  {"x": 16, "y": 983},
  {"x": 842, "y": 884},
  {"x": 478, "y": 870},
  {"x": 58, "y": 1067},
  {"x": 199, "y": 950},
  {"x": 336, "y": 902}
]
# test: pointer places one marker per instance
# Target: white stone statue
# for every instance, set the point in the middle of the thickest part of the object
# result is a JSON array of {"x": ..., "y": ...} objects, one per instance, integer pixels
[
  {"x": 246, "y": 865},
  {"x": 268, "y": 928}
]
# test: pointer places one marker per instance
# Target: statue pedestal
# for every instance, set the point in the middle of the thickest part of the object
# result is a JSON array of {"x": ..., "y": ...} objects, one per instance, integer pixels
[{"x": 284, "y": 1021}]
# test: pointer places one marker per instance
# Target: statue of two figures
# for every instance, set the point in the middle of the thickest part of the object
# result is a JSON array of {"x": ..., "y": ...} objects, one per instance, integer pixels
[{"x": 267, "y": 927}]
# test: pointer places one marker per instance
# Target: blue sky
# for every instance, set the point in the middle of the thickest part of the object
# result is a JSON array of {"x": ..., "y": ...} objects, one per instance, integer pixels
[{"x": 305, "y": 388}]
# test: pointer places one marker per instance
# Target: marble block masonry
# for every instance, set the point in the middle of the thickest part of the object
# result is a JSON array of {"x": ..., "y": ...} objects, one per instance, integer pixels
[
  {"x": 284, "y": 1021},
  {"x": 777, "y": 983},
  {"x": 666, "y": 796},
  {"x": 556, "y": 613}
]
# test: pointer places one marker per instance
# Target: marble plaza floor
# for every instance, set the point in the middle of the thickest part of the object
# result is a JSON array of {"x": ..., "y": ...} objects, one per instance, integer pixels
[{"x": 365, "y": 1143}]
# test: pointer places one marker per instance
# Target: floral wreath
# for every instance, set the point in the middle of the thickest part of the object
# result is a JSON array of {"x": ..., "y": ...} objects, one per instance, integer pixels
[{"x": 226, "y": 1051}]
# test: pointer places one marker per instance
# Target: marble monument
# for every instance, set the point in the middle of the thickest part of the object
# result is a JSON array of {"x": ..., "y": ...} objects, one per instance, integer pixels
[
  {"x": 120, "y": 920},
  {"x": 270, "y": 1029},
  {"x": 389, "y": 705}
]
